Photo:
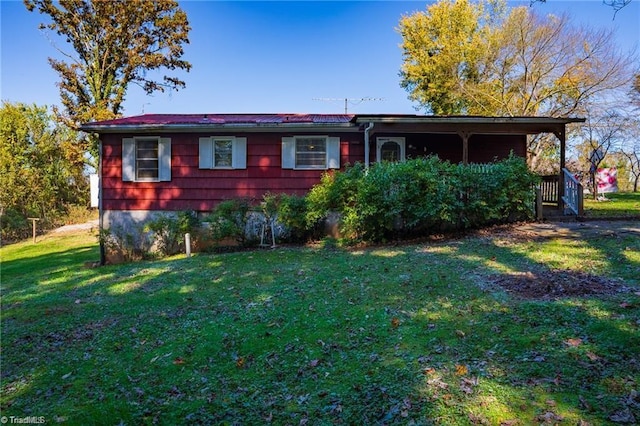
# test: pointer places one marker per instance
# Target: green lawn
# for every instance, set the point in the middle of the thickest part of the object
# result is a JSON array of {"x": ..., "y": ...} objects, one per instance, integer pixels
[
  {"x": 409, "y": 334},
  {"x": 617, "y": 204}
]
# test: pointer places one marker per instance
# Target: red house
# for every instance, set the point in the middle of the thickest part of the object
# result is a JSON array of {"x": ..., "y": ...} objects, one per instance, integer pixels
[{"x": 171, "y": 162}]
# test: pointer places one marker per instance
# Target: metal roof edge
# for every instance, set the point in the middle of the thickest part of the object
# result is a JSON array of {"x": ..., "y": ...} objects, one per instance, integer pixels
[{"x": 174, "y": 128}]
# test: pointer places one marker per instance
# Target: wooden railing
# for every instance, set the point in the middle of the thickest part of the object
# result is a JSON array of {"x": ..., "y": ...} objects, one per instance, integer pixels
[
  {"x": 573, "y": 194},
  {"x": 549, "y": 189}
]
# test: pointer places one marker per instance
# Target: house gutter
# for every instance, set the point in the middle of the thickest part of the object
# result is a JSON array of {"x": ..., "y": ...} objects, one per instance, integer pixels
[{"x": 366, "y": 144}]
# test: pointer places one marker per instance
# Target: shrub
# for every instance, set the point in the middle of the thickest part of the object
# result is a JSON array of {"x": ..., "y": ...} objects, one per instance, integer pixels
[
  {"x": 125, "y": 244},
  {"x": 498, "y": 192},
  {"x": 14, "y": 226},
  {"x": 292, "y": 214},
  {"x": 77, "y": 213},
  {"x": 400, "y": 198},
  {"x": 421, "y": 196},
  {"x": 229, "y": 219},
  {"x": 335, "y": 193},
  {"x": 169, "y": 230}
]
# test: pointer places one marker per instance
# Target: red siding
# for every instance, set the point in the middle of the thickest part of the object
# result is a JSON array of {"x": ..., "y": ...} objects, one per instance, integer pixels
[{"x": 200, "y": 190}]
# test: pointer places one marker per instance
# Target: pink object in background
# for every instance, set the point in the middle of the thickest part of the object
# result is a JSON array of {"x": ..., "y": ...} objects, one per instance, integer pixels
[{"x": 607, "y": 180}]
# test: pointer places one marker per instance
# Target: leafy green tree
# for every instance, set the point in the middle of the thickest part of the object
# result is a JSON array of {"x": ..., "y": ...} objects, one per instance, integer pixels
[
  {"x": 116, "y": 43},
  {"x": 442, "y": 50},
  {"x": 41, "y": 167}
]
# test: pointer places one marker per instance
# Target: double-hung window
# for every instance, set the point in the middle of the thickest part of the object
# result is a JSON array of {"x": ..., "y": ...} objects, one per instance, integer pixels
[
  {"x": 146, "y": 159},
  {"x": 147, "y": 164},
  {"x": 310, "y": 152},
  {"x": 223, "y": 152}
]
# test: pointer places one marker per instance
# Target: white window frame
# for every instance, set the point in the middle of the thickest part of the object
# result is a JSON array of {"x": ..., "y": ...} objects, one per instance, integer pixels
[
  {"x": 207, "y": 152},
  {"x": 380, "y": 141},
  {"x": 130, "y": 160},
  {"x": 290, "y": 149}
]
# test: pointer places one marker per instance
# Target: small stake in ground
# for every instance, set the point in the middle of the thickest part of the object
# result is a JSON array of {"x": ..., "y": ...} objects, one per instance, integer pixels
[
  {"x": 187, "y": 244},
  {"x": 33, "y": 221}
]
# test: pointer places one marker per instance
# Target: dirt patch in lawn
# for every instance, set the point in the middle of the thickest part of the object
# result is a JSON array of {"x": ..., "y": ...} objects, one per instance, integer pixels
[
  {"x": 551, "y": 284},
  {"x": 538, "y": 231},
  {"x": 557, "y": 284}
]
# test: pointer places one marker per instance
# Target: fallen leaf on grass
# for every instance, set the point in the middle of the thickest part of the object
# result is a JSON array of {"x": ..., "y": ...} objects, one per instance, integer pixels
[
  {"x": 549, "y": 417},
  {"x": 178, "y": 361},
  {"x": 467, "y": 385},
  {"x": 460, "y": 333},
  {"x": 573, "y": 342},
  {"x": 461, "y": 370},
  {"x": 240, "y": 362},
  {"x": 593, "y": 357},
  {"x": 395, "y": 322}
]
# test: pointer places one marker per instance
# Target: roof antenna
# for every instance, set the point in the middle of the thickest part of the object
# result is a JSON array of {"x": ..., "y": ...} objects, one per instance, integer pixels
[{"x": 347, "y": 101}]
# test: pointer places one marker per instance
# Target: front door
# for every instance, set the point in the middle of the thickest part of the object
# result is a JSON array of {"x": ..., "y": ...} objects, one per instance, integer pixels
[{"x": 390, "y": 149}]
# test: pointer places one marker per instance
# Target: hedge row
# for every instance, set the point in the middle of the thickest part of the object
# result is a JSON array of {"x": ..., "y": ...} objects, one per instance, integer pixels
[{"x": 421, "y": 196}]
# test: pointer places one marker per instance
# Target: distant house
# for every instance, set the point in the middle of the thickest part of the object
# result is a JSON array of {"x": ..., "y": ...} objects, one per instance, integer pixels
[{"x": 169, "y": 162}]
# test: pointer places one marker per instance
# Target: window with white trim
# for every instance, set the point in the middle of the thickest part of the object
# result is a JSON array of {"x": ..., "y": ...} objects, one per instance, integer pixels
[
  {"x": 146, "y": 159},
  {"x": 147, "y": 164},
  {"x": 311, "y": 152},
  {"x": 223, "y": 152},
  {"x": 390, "y": 149}
]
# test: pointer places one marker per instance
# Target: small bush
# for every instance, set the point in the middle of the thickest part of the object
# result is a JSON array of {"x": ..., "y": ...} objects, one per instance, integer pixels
[
  {"x": 336, "y": 192},
  {"x": 79, "y": 214},
  {"x": 125, "y": 244},
  {"x": 14, "y": 226},
  {"x": 292, "y": 214},
  {"x": 169, "y": 230},
  {"x": 229, "y": 220}
]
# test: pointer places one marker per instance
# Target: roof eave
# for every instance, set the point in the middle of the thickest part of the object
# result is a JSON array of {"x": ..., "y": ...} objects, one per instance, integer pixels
[
  {"x": 361, "y": 119},
  {"x": 205, "y": 127}
]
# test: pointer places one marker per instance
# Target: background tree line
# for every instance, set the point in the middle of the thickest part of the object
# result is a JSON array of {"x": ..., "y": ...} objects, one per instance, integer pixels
[{"x": 42, "y": 170}]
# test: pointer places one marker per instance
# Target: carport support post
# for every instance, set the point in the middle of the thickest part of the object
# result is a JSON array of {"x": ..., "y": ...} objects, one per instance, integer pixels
[
  {"x": 465, "y": 146},
  {"x": 560, "y": 134}
]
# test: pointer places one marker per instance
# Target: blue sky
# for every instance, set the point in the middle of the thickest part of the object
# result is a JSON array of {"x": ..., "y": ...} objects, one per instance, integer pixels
[{"x": 272, "y": 56}]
